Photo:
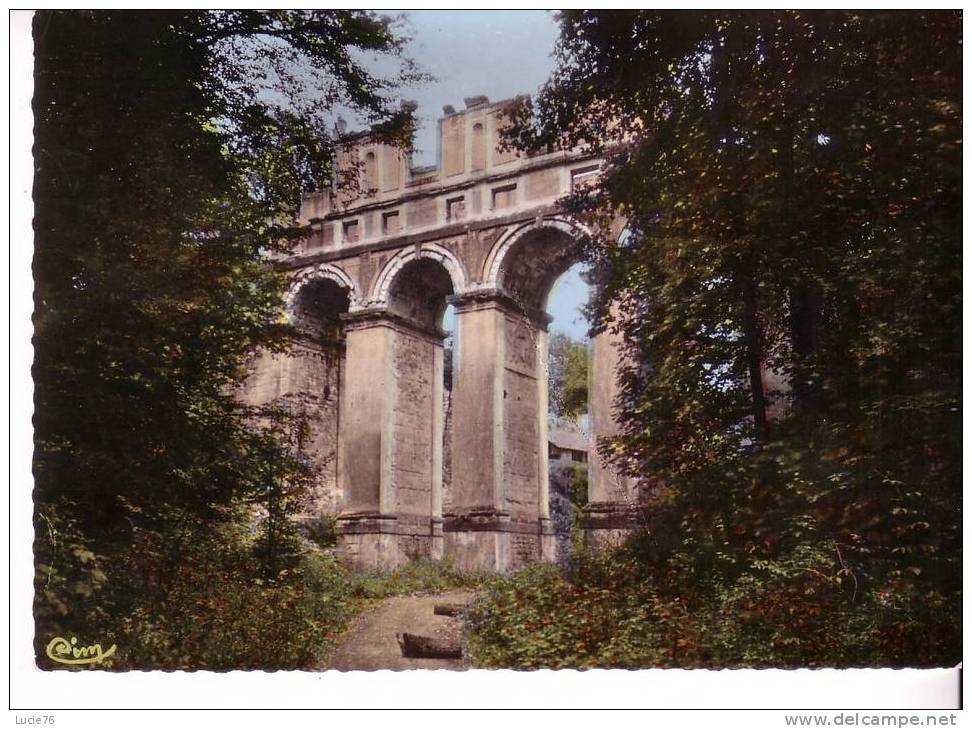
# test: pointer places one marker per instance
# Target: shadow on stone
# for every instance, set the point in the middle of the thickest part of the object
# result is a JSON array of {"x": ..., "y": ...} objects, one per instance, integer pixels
[
  {"x": 452, "y": 610},
  {"x": 420, "y": 646}
]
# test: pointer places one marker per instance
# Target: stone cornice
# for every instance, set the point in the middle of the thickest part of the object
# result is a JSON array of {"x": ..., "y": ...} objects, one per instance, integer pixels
[
  {"x": 410, "y": 239},
  {"x": 488, "y": 519},
  {"x": 374, "y": 317},
  {"x": 478, "y": 299}
]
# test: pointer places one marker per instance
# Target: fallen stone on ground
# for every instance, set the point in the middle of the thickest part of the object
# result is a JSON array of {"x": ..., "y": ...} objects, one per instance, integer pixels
[
  {"x": 422, "y": 646},
  {"x": 452, "y": 609}
]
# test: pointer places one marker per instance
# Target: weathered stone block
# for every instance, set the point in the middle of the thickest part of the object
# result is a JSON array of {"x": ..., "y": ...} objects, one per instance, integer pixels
[
  {"x": 542, "y": 184},
  {"x": 421, "y": 213}
]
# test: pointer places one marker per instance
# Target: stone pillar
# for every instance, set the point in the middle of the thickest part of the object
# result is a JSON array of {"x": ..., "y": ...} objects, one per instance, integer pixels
[
  {"x": 496, "y": 520},
  {"x": 438, "y": 433},
  {"x": 548, "y": 540},
  {"x": 305, "y": 381},
  {"x": 613, "y": 504},
  {"x": 390, "y": 441}
]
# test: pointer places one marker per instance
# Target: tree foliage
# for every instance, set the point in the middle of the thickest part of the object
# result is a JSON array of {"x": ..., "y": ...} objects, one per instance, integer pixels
[
  {"x": 789, "y": 293},
  {"x": 171, "y": 150},
  {"x": 577, "y": 374},
  {"x": 568, "y": 372}
]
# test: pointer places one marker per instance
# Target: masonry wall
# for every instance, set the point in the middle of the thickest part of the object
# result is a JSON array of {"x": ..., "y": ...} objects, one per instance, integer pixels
[
  {"x": 520, "y": 425},
  {"x": 411, "y": 465},
  {"x": 521, "y": 431},
  {"x": 306, "y": 383}
]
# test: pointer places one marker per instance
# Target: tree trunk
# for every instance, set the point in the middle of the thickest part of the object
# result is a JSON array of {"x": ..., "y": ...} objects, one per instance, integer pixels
[
  {"x": 803, "y": 341},
  {"x": 802, "y": 302}
]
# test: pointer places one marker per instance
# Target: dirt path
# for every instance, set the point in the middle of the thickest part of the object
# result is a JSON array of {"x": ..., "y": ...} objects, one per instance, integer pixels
[{"x": 371, "y": 645}]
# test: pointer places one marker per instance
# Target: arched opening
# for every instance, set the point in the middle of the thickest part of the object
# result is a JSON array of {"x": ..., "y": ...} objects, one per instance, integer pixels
[
  {"x": 418, "y": 292},
  {"x": 316, "y": 312},
  {"x": 449, "y": 345},
  {"x": 450, "y": 360},
  {"x": 543, "y": 273},
  {"x": 310, "y": 386},
  {"x": 533, "y": 263},
  {"x": 569, "y": 427}
]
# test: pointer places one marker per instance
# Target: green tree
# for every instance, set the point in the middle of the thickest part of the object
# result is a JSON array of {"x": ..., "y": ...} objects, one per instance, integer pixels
[
  {"x": 568, "y": 372},
  {"x": 577, "y": 372},
  {"x": 171, "y": 149},
  {"x": 556, "y": 365},
  {"x": 790, "y": 296}
]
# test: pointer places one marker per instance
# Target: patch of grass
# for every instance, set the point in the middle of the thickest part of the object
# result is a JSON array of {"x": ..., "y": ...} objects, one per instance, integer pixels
[{"x": 420, "y": 576}]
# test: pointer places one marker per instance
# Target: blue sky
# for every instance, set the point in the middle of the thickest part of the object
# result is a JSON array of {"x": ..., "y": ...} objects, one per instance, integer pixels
[
  {"x": 568, "y": 295},
  {"x": 494, "y": 53}
]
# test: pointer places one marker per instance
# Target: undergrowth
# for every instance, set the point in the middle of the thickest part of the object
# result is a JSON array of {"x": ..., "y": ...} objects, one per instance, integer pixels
[
  {"x": 614, "y": 611},
  {"x": 420, "y": 576}
]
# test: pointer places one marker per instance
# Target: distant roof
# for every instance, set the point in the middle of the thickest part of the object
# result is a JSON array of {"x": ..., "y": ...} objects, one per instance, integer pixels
[{"x": 570, "y": 441}]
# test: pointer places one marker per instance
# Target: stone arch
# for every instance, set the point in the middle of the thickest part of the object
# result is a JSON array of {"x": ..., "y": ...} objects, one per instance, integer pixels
[
  {"x": 325, "y": 271},
  {"x": 445, "y": 257},
  {"x": 523, "y": 265},
  {"x": 552, "y": 247},
  {"x": 419, "y": 293},
  {"x": 307, "y": 379}
]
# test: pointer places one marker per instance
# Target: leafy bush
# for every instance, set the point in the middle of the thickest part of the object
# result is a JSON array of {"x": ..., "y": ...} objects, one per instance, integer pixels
[
  {"x": 68, "y": 579},
  {"x": 790, "y": 377},
  {"x": 200, "y": 603},
  {"x": 579, "y": 479},
  {"x": 568, "y": 497},
  {"x": 621, "y": 610},
  {"x": 222, "y": 620},
  {"x": 538, "y": 619},
  {"x": 322, "y": 531},
  {"x": 149, "y": 307}
]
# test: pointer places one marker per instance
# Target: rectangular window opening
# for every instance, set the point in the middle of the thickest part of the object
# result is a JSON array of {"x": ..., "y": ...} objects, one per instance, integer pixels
[
  {"x": 504, "y": 197},
  {"x": 583, "y": 178},
  {"x": 456, "y": 208},
  {"x": 391, "y": 223}
]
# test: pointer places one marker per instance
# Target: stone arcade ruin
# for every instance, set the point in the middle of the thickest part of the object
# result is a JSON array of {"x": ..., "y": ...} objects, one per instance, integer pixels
[{"x": 482, "y": 232}]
